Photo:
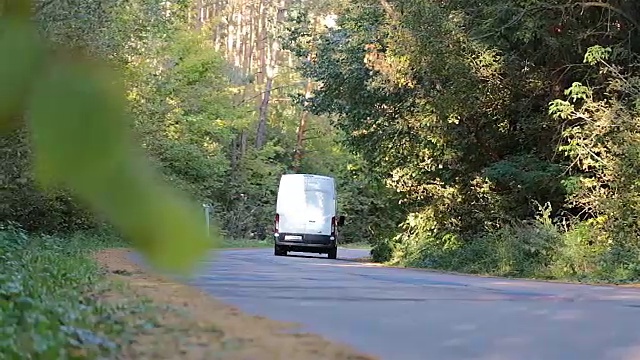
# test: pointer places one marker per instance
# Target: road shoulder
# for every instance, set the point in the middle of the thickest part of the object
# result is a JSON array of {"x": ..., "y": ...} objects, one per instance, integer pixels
[
  {"x": 368, "y": 261},
  {"x": 192, "y": 325}
]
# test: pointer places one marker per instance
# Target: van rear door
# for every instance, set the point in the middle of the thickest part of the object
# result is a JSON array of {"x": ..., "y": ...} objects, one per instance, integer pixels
[
  {"x": 319, "y": 211},
  {"x": 319, "y": 198},
  {"x": 290, "y": 207}
]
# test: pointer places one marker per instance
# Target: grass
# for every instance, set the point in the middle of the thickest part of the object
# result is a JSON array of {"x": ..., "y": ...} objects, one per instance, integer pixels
[{"x": 51, "y": 299}]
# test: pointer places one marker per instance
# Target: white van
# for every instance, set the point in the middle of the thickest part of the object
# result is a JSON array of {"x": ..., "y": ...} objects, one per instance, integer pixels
[{"x": 306, "y": 215}]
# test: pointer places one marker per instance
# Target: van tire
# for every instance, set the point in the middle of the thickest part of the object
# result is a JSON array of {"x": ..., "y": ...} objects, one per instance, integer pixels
[
  {"x": 333, "y": 253},
  {"x": 277, "y": 251}
]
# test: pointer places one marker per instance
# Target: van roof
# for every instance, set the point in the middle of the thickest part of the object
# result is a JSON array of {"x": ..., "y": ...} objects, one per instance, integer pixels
[{"x": 309, "y": 175}]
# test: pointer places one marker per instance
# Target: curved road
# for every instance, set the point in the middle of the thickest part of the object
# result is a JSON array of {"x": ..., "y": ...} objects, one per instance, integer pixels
[{"x": 402, "y": 314}]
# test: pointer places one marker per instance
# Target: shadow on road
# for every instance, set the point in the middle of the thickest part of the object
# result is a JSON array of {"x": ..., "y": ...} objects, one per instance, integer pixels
[
  {"x": 307, "y": 256},
  {"x": 321, "y": 256}
]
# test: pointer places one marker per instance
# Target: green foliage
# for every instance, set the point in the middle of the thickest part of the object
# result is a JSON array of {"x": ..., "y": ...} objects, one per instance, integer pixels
[
  {"x": 22, "y": 200},
  {"x": 372, "y": 211},
  {"x": 473, "y": 113},
  {"x": 184, "y": 113},
  {"x": 77, "y": 24},
  {"x": 524, "y": 249},
  {"x": 249, "y": 211},
  {"x": 50, "y": 307},
  {"x": 524, "y": 179}
]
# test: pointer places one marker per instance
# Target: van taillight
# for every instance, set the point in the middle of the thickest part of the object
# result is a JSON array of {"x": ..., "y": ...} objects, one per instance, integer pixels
[
  {"x": 276, "y": 223},
  {"x": 334, "y": 222}
]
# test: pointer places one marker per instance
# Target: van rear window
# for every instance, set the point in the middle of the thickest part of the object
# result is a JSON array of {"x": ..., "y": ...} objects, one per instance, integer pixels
[
  {"x": 316, "y": 183},
  {"x": 319, "y": 202}
]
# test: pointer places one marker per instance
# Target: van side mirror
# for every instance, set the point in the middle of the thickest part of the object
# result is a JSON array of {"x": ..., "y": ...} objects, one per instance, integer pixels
[{"x": 341, "y": 219}]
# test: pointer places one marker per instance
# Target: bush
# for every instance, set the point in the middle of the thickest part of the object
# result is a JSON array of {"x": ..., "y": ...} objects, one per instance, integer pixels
[
  {"x": 582, "y": 250},
  {"x": 522, "y": 250},
  {"x": 382, "y": 251},
  {"x": 47, "y": 309}
]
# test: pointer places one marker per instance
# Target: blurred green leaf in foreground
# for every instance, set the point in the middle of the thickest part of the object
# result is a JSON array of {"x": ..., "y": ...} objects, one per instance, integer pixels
[{"x": 75, "y": 109}]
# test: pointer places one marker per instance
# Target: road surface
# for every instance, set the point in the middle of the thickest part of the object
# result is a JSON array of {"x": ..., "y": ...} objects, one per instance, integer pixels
[{"x": 402, "y": 314}]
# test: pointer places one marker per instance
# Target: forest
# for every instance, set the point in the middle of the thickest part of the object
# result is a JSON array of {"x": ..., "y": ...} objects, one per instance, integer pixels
[{"x": 492, "y": 137}]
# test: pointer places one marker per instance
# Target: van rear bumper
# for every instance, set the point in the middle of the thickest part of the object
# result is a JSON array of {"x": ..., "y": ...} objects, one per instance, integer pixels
[{"x": 305, "y": 242}]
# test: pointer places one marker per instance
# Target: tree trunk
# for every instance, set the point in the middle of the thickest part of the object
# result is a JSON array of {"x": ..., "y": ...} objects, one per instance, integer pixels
[
  {"x": 243, "y": 143},
  {"x": 261, "y": 133},
  {"x": 239, "y": 30},
  {"x": 199, "y": 12},
  {"x": 269, "y": 58},
  {"x": 234, "y": 153},
  {"x": 230, "y": 34},
  {"x": 249, "y": 41},
  {"x": 218, "y": 10},
  {"x": 302, "y": 127},
  {"x": 261, "y": 41}
]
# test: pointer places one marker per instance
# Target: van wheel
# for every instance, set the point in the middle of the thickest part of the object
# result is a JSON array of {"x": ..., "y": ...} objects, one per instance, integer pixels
[
  {"x": 333, "y": 253},
  {"x": 277, "y": 251}
]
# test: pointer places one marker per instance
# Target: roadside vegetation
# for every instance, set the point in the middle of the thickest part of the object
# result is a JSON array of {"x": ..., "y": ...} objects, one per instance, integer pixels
[
  {"x": 53, "y": 304},
  {"x": 496, "y": 137}
]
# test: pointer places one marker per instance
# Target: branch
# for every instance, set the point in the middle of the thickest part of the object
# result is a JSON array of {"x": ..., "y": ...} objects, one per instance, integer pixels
[
  {"x": 584, "y": 5},
  {"x": 261, "y": 93},
  {"x": 612, "y": 8}
]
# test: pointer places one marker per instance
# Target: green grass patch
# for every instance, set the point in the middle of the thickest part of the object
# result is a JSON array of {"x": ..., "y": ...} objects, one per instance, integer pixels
[{"x": 50, "y": 299}]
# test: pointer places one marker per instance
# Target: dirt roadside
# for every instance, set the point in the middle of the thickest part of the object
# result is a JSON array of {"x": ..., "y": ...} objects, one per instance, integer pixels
[{"x": 193, "y": 325}]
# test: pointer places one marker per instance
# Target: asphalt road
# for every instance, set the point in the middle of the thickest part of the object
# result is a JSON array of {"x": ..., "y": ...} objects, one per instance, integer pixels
[{"x": 402, "y": 314}]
